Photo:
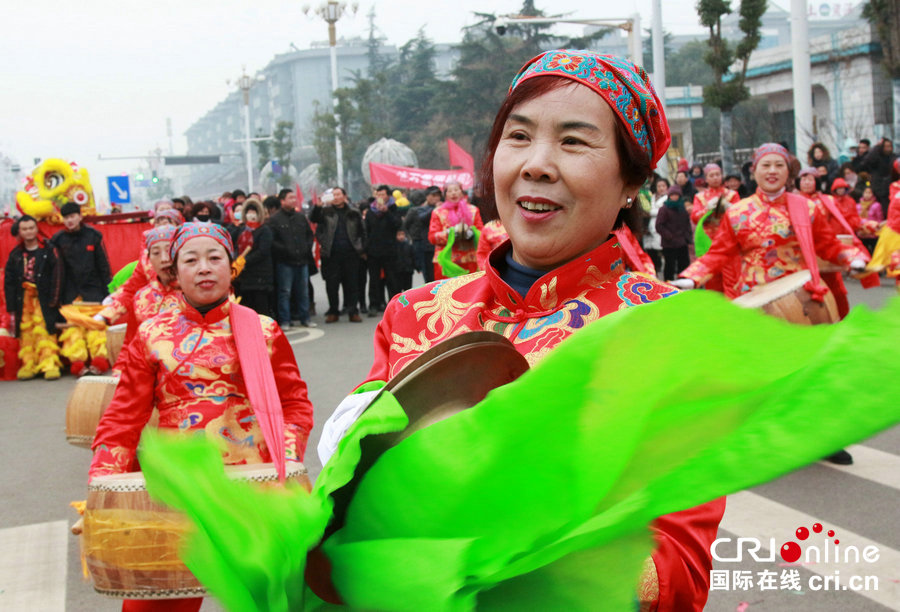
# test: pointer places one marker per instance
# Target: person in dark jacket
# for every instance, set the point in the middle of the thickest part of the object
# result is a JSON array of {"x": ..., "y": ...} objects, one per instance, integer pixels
[
  {"x": 342, "y": 236},
  {"x": 878, "y": 164},
  {"x": 819, "y": 157},
  {"x": 406, "y": 262},
  {"x": 31, "y": 285},
  {"x": 292, "y": 240},
  {"x": 256, "y": 282},
  {"x": 86, "y": 271},
  {"x": 382, "y": 222},
  {"x": 416, "y": 224},
  {"x": 673, "y": 224}
]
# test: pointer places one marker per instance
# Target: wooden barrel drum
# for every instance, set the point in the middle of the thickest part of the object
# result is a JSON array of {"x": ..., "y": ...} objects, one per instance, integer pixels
[
  {"x": 130, "y": 544},
  {"x": 786, "y": 299},
  {"x": 115, "y": 338},
  {"x": 88, "y": 401}
]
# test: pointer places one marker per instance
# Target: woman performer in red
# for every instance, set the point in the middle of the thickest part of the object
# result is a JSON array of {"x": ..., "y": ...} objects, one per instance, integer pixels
[
  {"x": 808, "y": 182},
  {"x": 117, "y": 306},
  {"x": 715, "y": 200},
  {"x": 184, "y": 362},
  {"x": 758, "y": 230},
  {"x": 492, "y": 236},
  {"x": 573, "y": 142},
  {"x": 457, "y": 214},
  {"x": 889, "y": 236}
]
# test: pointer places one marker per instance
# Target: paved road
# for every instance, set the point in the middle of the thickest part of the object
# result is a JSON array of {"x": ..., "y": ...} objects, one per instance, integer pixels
[{"x": 41, "y": 474}]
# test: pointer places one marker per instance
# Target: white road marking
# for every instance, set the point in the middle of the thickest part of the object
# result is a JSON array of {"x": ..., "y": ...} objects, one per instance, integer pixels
[
  {"x": 33, "y": 567},
  {"x": 750, "y": 515},
  {"x": 872, "y": 464},
  {"x": 311, "y": 333}
]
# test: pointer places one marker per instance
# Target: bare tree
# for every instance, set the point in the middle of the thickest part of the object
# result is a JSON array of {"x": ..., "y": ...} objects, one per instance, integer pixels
[{"x": 884, "y": 15}]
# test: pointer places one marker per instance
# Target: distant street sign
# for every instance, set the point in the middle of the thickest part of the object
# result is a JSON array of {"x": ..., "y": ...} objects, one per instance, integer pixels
[
  {"x": 184, "y": 160},
  {"x": 142, "y": 183},
  {"x": 119, "y": 191}
]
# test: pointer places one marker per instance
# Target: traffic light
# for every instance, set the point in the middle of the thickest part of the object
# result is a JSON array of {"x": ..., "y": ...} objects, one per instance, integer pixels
[
  {"x": 139, "y": 176},
  {"x": 155, "y": 178}
]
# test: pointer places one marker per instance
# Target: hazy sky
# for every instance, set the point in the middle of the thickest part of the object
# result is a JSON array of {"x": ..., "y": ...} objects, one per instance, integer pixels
[{"x": 82, "y": 79}]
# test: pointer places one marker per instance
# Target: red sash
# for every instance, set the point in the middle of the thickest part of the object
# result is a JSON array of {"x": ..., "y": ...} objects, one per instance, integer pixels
[
  {"x": 259, "y": 378},
  {"x": 798, "y": 211}
]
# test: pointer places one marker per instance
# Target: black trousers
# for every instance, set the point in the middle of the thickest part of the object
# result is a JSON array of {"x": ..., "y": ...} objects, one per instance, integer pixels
[
  {"x": 259, "y": 300},
  {"x": 677, "y": 259},
  {"x": 381, "y": 276},
  {"x": 424, "y": 253},
  {"x": 341, "y": 269}
]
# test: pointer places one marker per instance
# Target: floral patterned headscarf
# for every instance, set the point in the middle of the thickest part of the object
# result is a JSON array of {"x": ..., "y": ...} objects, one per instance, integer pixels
[{"x": 621, "y": 84}]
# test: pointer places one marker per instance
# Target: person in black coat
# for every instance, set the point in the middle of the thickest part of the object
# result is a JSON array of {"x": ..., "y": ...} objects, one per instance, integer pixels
[
  {"x": 382, "y": 222},
  {"x": 342, "y": 236},
  {"x": 879, "y": 163},
  {"x": 257, "y": 281},
  {"x": 673, "y": 224},
  {"x": 86, "y": 271},
  {"x": 292, "y": 240},
  {"x": 33, "y": 268},
  {"x": 406, "y": 262},
  {"x": 416, "y": 224}
]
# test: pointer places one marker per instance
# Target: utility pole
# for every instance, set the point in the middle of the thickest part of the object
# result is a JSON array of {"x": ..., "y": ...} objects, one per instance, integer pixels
[{"x": 803, "y": 116}]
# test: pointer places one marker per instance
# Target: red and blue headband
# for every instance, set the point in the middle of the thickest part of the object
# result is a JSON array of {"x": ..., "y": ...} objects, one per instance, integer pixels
[
  {"x": 163, "y": 233},
  {"x": 624, "y": 86},
  {"x": 189, "y": 231}
]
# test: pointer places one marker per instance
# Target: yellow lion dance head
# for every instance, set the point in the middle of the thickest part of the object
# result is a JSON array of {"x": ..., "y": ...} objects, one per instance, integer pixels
[{"x": 53, "y": 183}]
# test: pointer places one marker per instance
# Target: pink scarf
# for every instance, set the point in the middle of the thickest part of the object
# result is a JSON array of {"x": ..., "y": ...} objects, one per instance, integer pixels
[{"x": 457, "y": 212}]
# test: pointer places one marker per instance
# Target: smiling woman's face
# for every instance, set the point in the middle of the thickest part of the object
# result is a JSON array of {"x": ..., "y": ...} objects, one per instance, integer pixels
[
  {"x": 771, "y": 172},
  {"x": 557, "y": 176},
  {"x": 203, "y": 271}
]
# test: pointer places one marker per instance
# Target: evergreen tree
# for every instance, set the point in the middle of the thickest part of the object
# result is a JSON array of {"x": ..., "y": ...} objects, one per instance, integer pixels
[{"x": 727, "y": 90}]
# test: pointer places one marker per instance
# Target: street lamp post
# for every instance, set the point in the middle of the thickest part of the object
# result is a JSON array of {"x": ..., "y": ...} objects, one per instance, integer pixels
[
  {"x": 245, "y": 82},
  {"x": 331, "y": 11},
  {"x": 632, "y": 25}
]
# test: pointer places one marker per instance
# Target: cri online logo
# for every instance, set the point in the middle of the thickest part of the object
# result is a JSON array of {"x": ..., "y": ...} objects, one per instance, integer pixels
[{"x": 791, "y": 551}]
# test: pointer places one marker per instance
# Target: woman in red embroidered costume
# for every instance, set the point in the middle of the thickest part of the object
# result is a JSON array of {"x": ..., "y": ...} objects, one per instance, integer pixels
[
  {"x": 887, "y": 250},
  {"x": 184, "y": 362},
  {"x": 573, "y": 142},
  {"x": 118, "y": 305},
  {"x": 463, "y": 218},
  {"x": 759, "y": 231},
  {"x": 715, "y": 199},
  {"x": 808, "y": 182}
]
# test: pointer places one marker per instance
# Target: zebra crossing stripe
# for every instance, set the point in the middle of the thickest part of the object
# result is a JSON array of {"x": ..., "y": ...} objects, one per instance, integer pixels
[
  {"x": 33, "y": 567},
  {"x": 872, "y": 464},
  {"x": 750, "y": 515}
]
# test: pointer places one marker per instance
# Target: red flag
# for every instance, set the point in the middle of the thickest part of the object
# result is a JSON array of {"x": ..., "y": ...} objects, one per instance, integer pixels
[
  {"x": 459, "y": 157},
  {"x": 299, "y": 197},
  {"x": 315, "y": 196}
]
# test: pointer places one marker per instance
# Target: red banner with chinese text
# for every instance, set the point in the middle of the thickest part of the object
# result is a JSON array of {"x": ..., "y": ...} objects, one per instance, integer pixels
[{"x": 418, "y": 178}]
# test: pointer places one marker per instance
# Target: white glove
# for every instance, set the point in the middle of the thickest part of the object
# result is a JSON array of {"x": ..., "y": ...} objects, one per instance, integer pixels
[
  {"x": 857, "y": 265},
  {"x": 99, "y": 317},
  {"x": 107, "y": 301},
  {"x": 683, "y": 283},
  {"x": 469, "y": 233},
  {"x": 345, "y": 415}
]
